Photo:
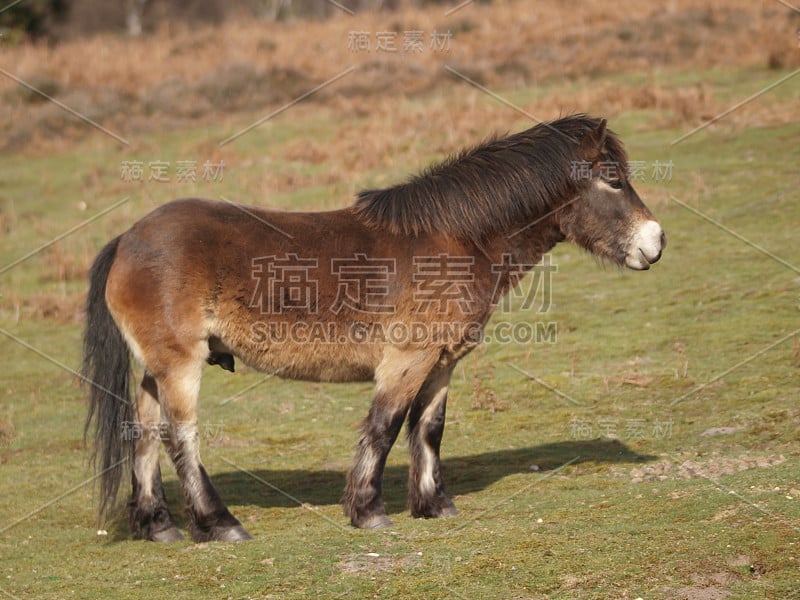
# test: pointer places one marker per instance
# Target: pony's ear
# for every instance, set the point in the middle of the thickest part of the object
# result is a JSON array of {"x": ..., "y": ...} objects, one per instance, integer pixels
[{"x": 593, "y": 142}]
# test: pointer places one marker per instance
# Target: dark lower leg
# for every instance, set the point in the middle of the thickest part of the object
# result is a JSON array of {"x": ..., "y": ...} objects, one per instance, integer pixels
[
  {"x": 398, "y": 379},
  {"x": 208, "y": 515},
  {"x": 363, "y": 501},
  {"x": 214, "y": 522},
  {"x": 210, "y": 519},
  {"x": 148, "y": 515},
  {"x": 426, "y": 494}
]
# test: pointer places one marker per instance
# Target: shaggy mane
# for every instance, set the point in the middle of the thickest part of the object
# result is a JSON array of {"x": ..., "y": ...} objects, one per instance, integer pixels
[{"x": 491, "y": 187}]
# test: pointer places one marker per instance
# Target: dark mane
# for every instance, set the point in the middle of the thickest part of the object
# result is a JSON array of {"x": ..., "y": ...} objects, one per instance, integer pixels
[{"x": 491, "y": 187}]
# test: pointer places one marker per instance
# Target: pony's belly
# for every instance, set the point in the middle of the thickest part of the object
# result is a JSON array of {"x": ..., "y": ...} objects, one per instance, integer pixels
[{"x": 311, "y": 362}]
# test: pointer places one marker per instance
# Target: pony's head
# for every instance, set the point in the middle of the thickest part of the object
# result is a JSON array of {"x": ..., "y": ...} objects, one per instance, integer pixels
[{"x": 606, "y": 215}]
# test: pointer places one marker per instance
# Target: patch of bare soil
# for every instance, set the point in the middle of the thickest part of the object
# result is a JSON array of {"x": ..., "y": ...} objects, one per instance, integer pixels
[
  {"x": 371, "y": 563},
  {"x": 713, "y": 585},
  {"x": 710, "y": 468}
]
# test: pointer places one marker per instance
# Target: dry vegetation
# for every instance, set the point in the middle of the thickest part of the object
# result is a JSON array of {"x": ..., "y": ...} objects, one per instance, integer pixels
[{"x": 204, "y": 74}]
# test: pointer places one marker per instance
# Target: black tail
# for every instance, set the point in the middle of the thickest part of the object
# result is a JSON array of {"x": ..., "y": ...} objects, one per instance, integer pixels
[{"x": 106, "y": 370}]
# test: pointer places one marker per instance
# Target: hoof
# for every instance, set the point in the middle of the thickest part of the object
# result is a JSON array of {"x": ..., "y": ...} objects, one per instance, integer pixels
[
  {"x": 436, "y": 509},
  {"x": 167, "y": 536},
  {"x": 372, "y": 522},
  {"x": 237, "y": 533},
  {"x": 220, "y": 526}
]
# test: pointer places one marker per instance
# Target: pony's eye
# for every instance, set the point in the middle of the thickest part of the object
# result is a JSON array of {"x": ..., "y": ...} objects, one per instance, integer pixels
[{"x": 615, "y": 183}]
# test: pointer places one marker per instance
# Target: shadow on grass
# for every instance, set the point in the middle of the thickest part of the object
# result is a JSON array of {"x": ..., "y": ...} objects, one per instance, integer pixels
[{"x": 463, "y": 475}]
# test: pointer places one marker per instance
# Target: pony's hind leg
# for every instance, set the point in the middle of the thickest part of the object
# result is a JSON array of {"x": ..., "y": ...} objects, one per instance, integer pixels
[
  {"x": 210, "y": 519},
  {"x": 426, "y": 495},
  {"x": 149, "y": 517}
]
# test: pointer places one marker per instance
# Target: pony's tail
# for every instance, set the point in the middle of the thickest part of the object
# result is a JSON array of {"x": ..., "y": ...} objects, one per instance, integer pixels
[{"x": 106, "y": 370}]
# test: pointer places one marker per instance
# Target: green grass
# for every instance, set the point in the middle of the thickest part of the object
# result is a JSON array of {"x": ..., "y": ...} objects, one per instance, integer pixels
[{"x": 658, "y": 358}]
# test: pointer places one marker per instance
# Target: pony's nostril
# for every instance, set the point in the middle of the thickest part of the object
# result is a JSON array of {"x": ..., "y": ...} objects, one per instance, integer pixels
[
  {"x": 657, "y": 256},
  {"x": 663, "y": 242}
]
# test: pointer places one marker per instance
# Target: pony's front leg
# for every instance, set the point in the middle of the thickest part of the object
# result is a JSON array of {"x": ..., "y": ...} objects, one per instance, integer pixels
[
  {"x": 363, "y": 500},
  {"x": 210, "y": 518},
  {"x": 148, "y": 515},
  {"x": 426, "y": 495},
  {"x": 398, "y": 379}
]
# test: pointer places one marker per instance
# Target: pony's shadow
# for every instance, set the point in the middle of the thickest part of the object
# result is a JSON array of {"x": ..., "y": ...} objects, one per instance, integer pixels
[
  {"x": 270, "y": 488},
  {"x": 463, "y": 475}
]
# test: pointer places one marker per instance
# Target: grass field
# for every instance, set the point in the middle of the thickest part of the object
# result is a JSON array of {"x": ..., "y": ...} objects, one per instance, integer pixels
[{"x": 650, "y": 450}]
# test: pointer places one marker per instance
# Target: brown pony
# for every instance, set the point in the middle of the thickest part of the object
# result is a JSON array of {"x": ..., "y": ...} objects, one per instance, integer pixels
[{"x": 396, "y": 288}]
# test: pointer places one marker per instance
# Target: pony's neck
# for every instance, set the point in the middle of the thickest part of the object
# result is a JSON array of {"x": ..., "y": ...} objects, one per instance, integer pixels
[{"x": 519, "y": 249}]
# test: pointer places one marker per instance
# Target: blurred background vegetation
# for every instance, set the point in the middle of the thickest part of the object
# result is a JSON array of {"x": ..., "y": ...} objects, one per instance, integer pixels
[
  {"x": 64, "y": 19},
  {"x": 138, "y": 66}
]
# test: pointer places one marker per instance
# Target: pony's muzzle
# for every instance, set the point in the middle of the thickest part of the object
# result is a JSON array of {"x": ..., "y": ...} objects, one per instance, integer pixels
[{"x": 646, "y": 246}]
